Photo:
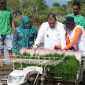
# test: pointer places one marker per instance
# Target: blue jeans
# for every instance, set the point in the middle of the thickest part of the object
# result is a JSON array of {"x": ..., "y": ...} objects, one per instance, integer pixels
[{"x": 5, "y": 40}]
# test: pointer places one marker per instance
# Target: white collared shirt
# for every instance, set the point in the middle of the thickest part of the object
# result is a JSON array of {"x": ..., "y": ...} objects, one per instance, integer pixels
[{"x": 51, "y": 36}]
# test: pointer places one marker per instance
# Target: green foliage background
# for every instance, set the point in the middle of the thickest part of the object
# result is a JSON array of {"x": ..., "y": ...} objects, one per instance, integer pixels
[{"x": 38, "y": 10}]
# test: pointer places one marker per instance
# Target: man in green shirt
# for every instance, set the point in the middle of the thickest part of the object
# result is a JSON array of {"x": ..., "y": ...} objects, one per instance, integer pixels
[
  {"x": 79, "y": 19},
  {"x": 6, "y": 23}
]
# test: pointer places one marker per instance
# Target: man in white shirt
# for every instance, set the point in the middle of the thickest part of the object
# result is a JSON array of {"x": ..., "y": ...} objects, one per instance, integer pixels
[{"x": 51, "y": 33}]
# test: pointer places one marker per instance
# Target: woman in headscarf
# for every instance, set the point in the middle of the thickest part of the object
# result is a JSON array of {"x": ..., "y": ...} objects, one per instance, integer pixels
[{"x": 24, "y": 35}]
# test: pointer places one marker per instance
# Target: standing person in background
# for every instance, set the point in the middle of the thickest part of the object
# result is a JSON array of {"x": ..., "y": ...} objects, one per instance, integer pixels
[
  {"x": 51, "y": 33},
  {"x": 24, "y": 35},
  {"x": 79, "y": 19},
  {"x": 6, "y": 23}
]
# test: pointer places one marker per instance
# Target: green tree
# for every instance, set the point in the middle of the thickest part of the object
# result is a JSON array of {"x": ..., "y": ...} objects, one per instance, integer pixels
[
  {"x": 56, "y": 4},
  {"x": 36, "y": 9},
  {"x": 82, "y": 11},
  {"x": 64, "y": 7},
  {"x": 13, "y": 4}
]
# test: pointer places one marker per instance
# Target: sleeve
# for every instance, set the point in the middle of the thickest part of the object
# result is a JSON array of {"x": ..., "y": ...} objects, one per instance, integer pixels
[
  {"x": 67, "y": 39},
  {"x": 63, "y": 37},
  {"x": 16, "y": 46},
  {"x": 83, "y": 23},
  {"x": 32, "y": 36},
  {"x": 12, "y": 20},
  {"x": 75, "y": 38},
  {"x": 35, "y": 33},
  {"x": 40, "y": 35},
  {"x": 11, "y": 12}
]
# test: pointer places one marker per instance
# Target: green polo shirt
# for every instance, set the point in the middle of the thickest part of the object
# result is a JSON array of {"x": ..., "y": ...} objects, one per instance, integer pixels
[
  {"x": 5, "y": 21},
  {"x": 79, "y": 20}
]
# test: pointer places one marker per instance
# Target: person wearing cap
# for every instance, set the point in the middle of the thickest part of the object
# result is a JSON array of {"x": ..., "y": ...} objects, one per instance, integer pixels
[
  {"x": 24, "y": 35},
  {"x": 74, "y": 35},
  {"x": 6, "y": 23},
  {"x": 51, "y": 33},
  {"x": 78, "y": 18}
]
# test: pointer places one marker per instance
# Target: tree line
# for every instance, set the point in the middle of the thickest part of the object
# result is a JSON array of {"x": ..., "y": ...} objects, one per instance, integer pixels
[{"x": 37, "y": 9}]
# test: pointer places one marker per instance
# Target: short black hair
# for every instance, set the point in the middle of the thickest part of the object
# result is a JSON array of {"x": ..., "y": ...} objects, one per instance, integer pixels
[
  {"x": 51, "y": 15},
  {"x": 76, "y": 3}
]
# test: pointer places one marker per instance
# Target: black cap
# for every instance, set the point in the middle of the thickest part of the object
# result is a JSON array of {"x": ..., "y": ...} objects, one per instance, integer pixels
[{"x": 69, "y": 20}]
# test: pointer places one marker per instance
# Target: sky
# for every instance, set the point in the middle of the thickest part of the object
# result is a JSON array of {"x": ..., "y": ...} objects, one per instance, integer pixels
[{"x": 50, "y": 2}]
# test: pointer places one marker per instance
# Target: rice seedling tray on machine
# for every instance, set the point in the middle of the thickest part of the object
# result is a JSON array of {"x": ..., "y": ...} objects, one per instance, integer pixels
[{"x": 63, "y": 65}]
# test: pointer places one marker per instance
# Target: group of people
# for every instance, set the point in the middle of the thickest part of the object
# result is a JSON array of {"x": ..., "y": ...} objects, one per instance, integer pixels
[
  {"x": 67, "y": 36},
  {"x": 55, "y": 35}
]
